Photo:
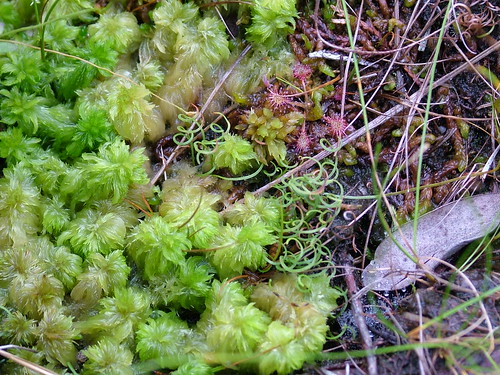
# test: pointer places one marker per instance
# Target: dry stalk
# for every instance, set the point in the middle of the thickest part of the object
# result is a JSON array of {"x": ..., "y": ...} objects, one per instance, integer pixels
[
  {"x": 23, "y": 362},
  {"x": 360, "y": 321}
]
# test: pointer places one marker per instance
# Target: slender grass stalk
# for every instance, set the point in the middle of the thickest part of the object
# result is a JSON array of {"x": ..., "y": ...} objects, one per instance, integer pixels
[
  {"x": 42, "y": 37},
  {"x": 45, "y": 23},
  {"x": 441, "y": 344},
  {"x": 23, "y": 362},
  {"x": 454, "y": 310},
  {"x": 426, "y": 119},
  {"x": 378, "y": 187}
]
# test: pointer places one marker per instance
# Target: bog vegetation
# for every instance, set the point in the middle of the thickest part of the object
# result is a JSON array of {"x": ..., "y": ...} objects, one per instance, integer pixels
[{"x": 173, "y": 173}]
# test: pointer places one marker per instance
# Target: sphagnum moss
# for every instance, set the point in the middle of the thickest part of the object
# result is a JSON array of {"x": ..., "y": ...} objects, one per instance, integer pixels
[{"x": 80, "y": 268}]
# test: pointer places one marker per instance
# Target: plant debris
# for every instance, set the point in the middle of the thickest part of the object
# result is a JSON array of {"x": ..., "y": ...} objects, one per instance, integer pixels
[
  {"x": 191, "y": 187},
  {"x": 400, "y": 260}
]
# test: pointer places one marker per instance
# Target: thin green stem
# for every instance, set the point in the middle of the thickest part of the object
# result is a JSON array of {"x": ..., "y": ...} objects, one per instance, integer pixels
[
  {"x": 42, "y": 37},
  {"x": 425, "y": 123},
  {"x": 39, "y": 25},
  {"x": 454, "y": 310}
]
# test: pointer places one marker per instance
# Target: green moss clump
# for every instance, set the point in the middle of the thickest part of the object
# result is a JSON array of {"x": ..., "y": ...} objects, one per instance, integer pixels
[
  {"x": 241, "y": 247},
  {"x": 234, "y": 153},
  {"x": 269, "y": 132},
  {"x": 109, "y": 358},
  {"x": 81, "y": 267},
  {"x": 272, "y": 20}
]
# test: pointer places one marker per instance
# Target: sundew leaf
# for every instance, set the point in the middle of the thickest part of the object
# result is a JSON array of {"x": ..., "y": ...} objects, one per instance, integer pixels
[{"x": 440, "y": 234}]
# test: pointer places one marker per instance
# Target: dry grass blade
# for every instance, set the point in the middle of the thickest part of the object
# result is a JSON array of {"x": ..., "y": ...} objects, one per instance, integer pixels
[
  {"x": 485, "y": 317},
  {"x": 23, "y": 362}
]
